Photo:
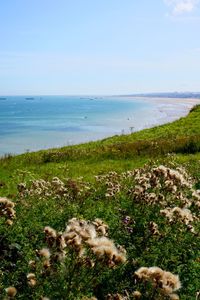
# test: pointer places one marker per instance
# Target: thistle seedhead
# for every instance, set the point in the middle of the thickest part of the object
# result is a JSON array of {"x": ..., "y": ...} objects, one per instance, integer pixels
[{"x": 11, "y": 291}]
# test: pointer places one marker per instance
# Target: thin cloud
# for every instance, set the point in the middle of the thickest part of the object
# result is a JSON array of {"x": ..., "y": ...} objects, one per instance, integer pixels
[{"x": 180, "y": 7}]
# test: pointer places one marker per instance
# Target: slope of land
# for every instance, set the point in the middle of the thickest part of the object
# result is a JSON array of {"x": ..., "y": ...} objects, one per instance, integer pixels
[{"x": 136, "y": 203}]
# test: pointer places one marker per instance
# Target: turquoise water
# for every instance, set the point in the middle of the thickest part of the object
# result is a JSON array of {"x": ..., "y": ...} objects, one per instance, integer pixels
[{"x": 54, "y": 121}]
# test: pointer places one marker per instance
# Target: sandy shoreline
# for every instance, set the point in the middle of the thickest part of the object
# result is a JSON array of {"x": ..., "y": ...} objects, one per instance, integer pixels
[
  {"x": 169, "y": 109},
  {"x": 190, "y": 102}
]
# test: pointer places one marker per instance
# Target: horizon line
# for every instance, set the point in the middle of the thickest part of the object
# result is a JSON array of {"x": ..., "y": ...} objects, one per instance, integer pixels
[{"x": 102, "y": 95}]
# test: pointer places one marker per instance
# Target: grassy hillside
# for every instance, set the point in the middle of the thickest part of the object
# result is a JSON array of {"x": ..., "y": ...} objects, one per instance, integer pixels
[{"x": 113, "y": 207}]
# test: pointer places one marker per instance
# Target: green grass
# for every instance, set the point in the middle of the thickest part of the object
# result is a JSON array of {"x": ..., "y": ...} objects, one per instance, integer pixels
[
  {"x": 176, "y": 249},
  {"x": 181, "y": 136}
]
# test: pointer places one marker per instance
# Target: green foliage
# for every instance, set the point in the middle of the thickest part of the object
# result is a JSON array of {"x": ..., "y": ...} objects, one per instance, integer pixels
[{"x": 112, "y": 197}]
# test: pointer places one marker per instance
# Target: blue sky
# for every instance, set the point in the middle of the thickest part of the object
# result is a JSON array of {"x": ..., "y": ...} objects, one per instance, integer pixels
[{"x": 99, "y": 46}]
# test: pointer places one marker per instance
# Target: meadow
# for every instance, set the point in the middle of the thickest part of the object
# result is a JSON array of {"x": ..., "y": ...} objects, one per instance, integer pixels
[{"x": 112, "y": 219}]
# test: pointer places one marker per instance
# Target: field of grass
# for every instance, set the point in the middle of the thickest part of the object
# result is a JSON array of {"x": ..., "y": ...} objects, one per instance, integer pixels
[{"x": 80, "y": 222}]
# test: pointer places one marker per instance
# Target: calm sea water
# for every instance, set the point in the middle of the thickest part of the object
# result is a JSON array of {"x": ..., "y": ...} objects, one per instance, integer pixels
[{"x": 54, "y": 121}]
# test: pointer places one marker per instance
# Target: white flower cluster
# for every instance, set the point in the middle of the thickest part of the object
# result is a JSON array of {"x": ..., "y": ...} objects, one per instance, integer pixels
[
  {"x": 166, "y": 282},
  {"x": 42, "y": 188},
  {"x": 82, "y": 234},
  {"x": 173, "y": 214},
  {"x": 177, "y": 214},
  {"x": 153, "y": 185},
  {"x": 178, "y": 177},
  {"x": 55, "y": 188},
  {"x": 196, "y": 196},
  {"x": 116, "y": 297},
  {"x": 11, "y": 292},
  {"x": 112, "y": 183},
  {"x": 153, "y": 227},
  {"x": 126, "y": 296},
  {"x": 7, "y": 210},
  {"x": 83, "y": 237}
]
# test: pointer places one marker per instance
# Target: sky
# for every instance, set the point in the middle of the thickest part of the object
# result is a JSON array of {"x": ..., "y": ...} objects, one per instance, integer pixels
[{"x": 99, "y": 47}]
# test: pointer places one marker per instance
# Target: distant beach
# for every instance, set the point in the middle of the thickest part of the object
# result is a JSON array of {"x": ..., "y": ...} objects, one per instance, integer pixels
[
  {"x": 171, "y": 109},
  {"x": 56, "y": 121}
]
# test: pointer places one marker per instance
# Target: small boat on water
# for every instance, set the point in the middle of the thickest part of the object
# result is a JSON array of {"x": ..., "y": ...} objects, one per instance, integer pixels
[
  {"x": 3, "y": 98},
  {"x": 30, "y": 98}
]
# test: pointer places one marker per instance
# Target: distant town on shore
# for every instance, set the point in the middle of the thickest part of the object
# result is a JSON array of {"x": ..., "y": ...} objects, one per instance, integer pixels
[{"x": 167, "y": 95}]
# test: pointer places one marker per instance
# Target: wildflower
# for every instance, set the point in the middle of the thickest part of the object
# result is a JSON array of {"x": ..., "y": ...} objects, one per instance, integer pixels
[
  {"x": 174, "y": 297},
  {"x": 60, "y": 241},
  {"x": 30, "y": 276},
  {"x": 59, "y": 256},
  {"x": 6, "y": 202},
  {"x": 81, "y": 236},
  {"x": 197, "y": 295},
  {"x": 31, "y": 279},
  {"x": 191, "y": 229},
  {"x": 196, "y": 194},
  {"x": 142, "y": 273},
  {"x": 154, "y": 228},
  {"x": 126, "y": 219},
  {"x": 100, "y": 226},
  {"x": 183, "y": 215},
  {"x": 21, "y": 187},
  {"x": 137, "y": 295},
  {"x": 139, "y": 190},
  {"x": 10, "y": 212},
  {"x": 7, "y": 209},
  {"x": 46, "y": 264},
  {"x": 89, "y": 262},
  {"x": 51, "y": 235},
  {"x": 115, "y": 297},
  {"x": 151, "y": 198},
  {"x": 11, "y": 291},
  {"x": 50, "y": 232},
  {"x": 81, "y": 233},
  {"x": 9, "y": 222},
  {"x": 165, "y": 281},
  {"x": 44, "y": 252},
  {"x": 32, "y": 282},
  {"x": 171, "y": 282},
  {"x": 32, "y": 264}
]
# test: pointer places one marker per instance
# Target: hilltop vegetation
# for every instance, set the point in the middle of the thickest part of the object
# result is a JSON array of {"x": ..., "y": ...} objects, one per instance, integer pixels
[{"x": 113, "y": 219}]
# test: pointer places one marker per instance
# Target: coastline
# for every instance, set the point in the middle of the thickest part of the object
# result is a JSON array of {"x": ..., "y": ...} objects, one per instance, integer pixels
[
  {"x": 170, "y": 109},
  {"x": 158, "y": 111}
]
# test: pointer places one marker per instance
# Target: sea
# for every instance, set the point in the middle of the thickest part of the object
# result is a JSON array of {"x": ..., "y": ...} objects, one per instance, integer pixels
[{"x": 42, "y": 122}]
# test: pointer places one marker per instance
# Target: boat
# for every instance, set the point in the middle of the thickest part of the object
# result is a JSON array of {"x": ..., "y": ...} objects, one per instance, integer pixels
[
  {"x": 3, "y": 98},
  {"x": 30, "y": 98}
]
